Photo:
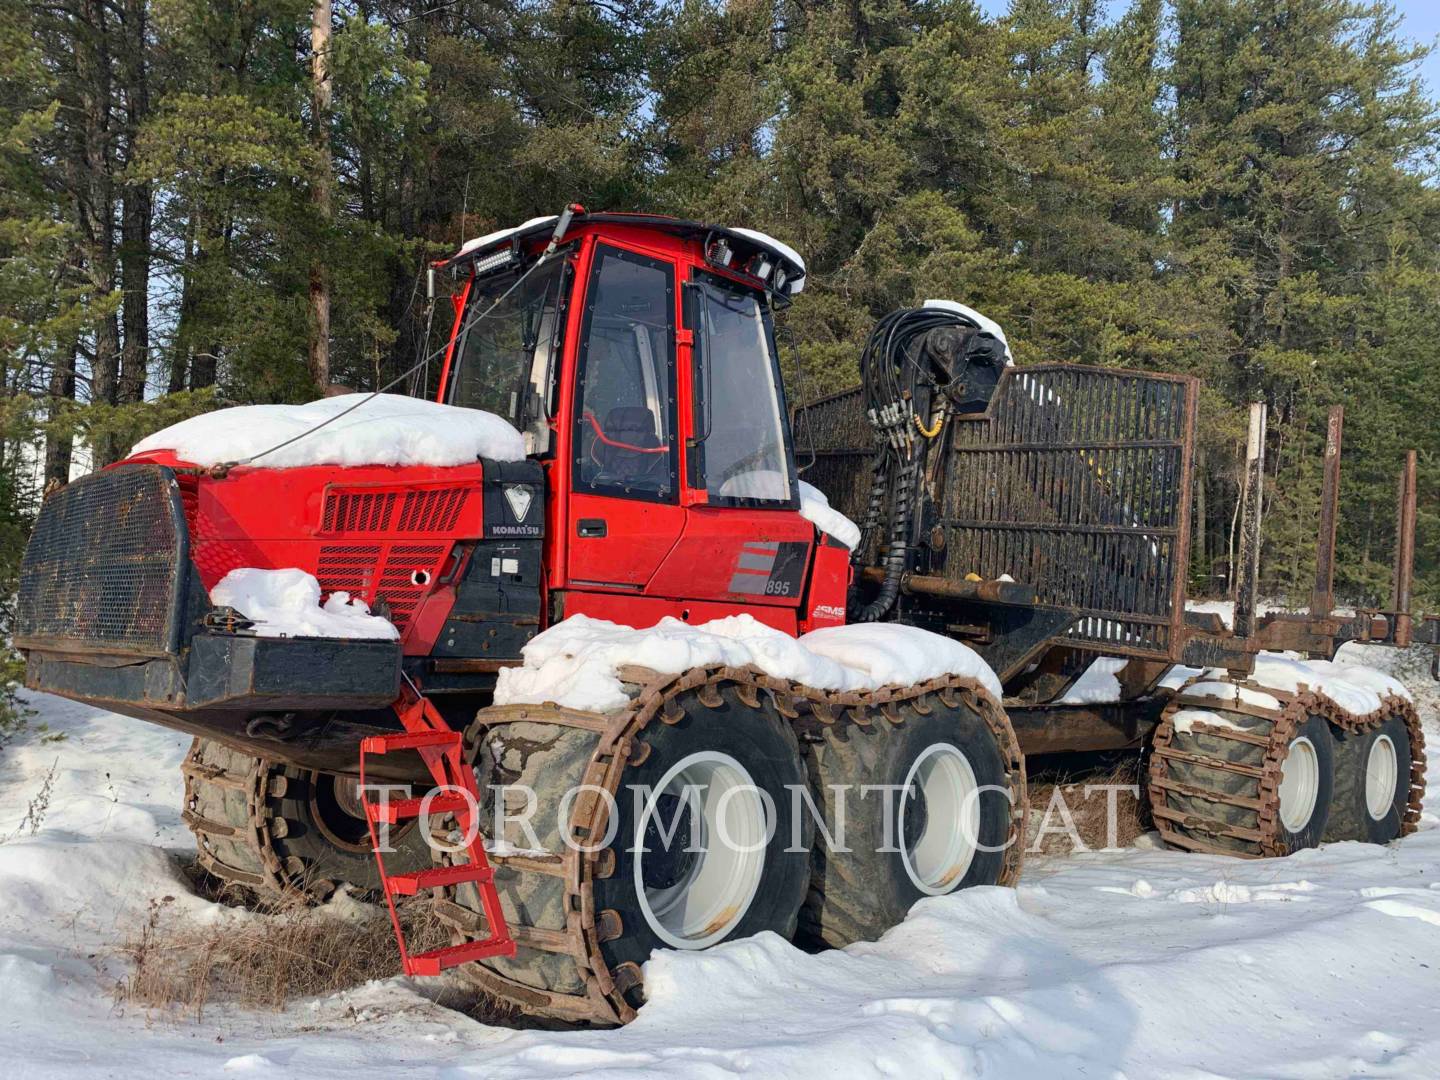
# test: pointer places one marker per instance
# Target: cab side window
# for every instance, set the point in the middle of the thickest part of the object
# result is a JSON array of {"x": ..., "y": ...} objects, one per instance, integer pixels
[{"x": 625, "y": 431}]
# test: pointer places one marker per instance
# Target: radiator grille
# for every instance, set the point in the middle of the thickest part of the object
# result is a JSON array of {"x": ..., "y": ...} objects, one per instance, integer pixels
[
  {"x": 381, "y": 571},
  {"x": 104, "y": 567},
  {"x": 432, "y": 511},
  {"x": 358, "y": 512},
  {"x": 403, "y": 510}
]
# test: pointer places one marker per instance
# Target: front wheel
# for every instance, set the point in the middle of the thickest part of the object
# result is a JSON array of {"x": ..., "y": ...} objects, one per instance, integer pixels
[
  {"x": 701, "y": 842},
  {"x": 707, "y": 845}
]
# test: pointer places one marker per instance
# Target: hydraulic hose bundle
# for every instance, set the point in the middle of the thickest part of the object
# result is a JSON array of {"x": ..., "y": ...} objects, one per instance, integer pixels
[{"x": 915, "y": 371}]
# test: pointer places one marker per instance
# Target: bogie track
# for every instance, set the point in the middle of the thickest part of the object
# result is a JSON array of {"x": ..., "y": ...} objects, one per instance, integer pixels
[
  {"x": 577, "y": 917},
  {"x": 1237, "y": 768}
]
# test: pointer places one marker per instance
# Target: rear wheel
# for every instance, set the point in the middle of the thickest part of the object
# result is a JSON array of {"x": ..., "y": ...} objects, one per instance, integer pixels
[
  {"x": 1372, "y": 783},
  {"x": 1215, "y": 785},
  {"x": 930, "y": 798}
]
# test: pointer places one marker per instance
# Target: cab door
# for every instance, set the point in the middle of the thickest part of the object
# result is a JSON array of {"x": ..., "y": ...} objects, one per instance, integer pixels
[
  {"x": 625, "y": 514},
  {"x": 744, "y": 541}
]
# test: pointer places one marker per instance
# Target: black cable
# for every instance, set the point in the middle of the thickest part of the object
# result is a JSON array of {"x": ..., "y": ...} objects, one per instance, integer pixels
[{"x": 892, "y": 378}]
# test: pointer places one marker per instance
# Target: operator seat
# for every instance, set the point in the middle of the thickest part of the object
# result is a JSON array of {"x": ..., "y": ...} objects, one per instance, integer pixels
[{"x": 634, "y": 425}]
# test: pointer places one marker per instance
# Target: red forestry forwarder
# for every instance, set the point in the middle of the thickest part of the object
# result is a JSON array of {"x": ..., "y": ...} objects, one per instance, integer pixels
[{"x": 1039, "y": 514}]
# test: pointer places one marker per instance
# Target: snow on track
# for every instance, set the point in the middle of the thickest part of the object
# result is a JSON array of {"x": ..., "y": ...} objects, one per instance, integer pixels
[
  {"x": 1141, "y": 963},
  {"x": 574, "y": 663}
]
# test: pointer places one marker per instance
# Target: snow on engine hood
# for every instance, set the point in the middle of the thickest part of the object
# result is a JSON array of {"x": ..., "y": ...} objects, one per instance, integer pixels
[{"x": 387, "y": 430}]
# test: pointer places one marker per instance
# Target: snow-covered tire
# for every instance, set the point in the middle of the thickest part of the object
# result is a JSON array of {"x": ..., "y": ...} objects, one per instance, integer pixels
[
  {"x": 1372, "y": 783},
  {"x": 278, "y": 830},
  {"x": 921, "y": 757}
]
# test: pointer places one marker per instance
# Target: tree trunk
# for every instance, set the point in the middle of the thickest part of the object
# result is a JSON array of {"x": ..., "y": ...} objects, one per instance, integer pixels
[
  {"x": 135, "y": 214},
  {"x": 58, "y": 447},
  {"x": 319, "y": 358},
  {"x": 96, "y": 199}
]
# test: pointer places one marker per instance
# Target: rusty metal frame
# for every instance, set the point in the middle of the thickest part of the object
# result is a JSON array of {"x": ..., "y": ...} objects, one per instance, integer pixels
[{"x": 1143, "y": 420}]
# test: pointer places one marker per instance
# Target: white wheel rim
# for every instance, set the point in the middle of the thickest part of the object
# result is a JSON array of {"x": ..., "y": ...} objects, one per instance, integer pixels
[
  {"x": 936, "y": 861},
  {"x": 729, "y": 828},
  {"x": 1299, "y": 784},
  {"x": 1382, "y": 770}
]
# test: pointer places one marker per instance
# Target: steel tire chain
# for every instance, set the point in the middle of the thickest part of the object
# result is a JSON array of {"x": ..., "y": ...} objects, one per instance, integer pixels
[
  {"x": 1295, "y": 709},
  {"x": 261, "y": 782},
  {"x": 620, "y": 743}
]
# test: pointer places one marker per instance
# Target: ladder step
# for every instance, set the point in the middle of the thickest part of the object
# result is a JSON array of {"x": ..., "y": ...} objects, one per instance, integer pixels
[
  {"x": 438, "y": 960},
  {"x": 396, "y": 810},
  {"x": 411, "y": 740},
  {"x": 435, "y": 877}
]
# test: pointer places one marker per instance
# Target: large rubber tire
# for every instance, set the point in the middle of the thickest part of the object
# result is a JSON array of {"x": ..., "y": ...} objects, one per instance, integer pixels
[
  {"x": 857, "y": 895},
  {"x": 275, "y": 829},
  {"x": 1312, "y": 736},
  {"x": 551, "y": 759},
  {"x": 764, "y": 745},
  {"x": 1357, "y": 757}
]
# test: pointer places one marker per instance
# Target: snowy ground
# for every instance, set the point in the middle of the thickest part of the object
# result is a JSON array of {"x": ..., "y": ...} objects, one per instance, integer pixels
[{"x": 1141, "y": 963}]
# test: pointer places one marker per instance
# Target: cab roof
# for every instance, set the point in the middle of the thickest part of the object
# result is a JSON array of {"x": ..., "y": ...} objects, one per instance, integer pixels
[{"x": 787, "y": 275}]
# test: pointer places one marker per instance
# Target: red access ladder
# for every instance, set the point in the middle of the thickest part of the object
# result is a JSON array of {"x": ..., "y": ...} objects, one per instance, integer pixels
[{"x": 441, "y": 749}]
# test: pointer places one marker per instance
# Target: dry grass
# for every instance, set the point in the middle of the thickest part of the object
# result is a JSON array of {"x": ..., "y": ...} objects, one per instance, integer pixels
[
  {"x": 39, "y": 806},
  {"x": 285, "y": 950},
  {"x": 1088, "y": 816}
]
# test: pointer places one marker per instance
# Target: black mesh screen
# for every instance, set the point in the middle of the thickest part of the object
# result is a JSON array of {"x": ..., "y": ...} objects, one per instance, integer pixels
[
  {"x": 103, "y": 568},
  {"x": 1075, "y": 480}
]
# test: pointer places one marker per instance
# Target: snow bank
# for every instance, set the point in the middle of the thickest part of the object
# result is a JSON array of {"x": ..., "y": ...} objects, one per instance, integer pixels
[
  {"x": 815, "y": 508},
  {"x": 286, "y": 603},
  {"x": 574, "y": 663},
  {"x": 1355, "y": 687},
  {"x": 386, "y": 430},
  {"x": 1134, "y": 963}
]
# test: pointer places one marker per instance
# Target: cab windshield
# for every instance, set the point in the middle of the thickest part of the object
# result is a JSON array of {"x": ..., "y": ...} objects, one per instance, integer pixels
[
  {"x": 505, "y": 361},
  {"x": 743, "y": 455}
]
